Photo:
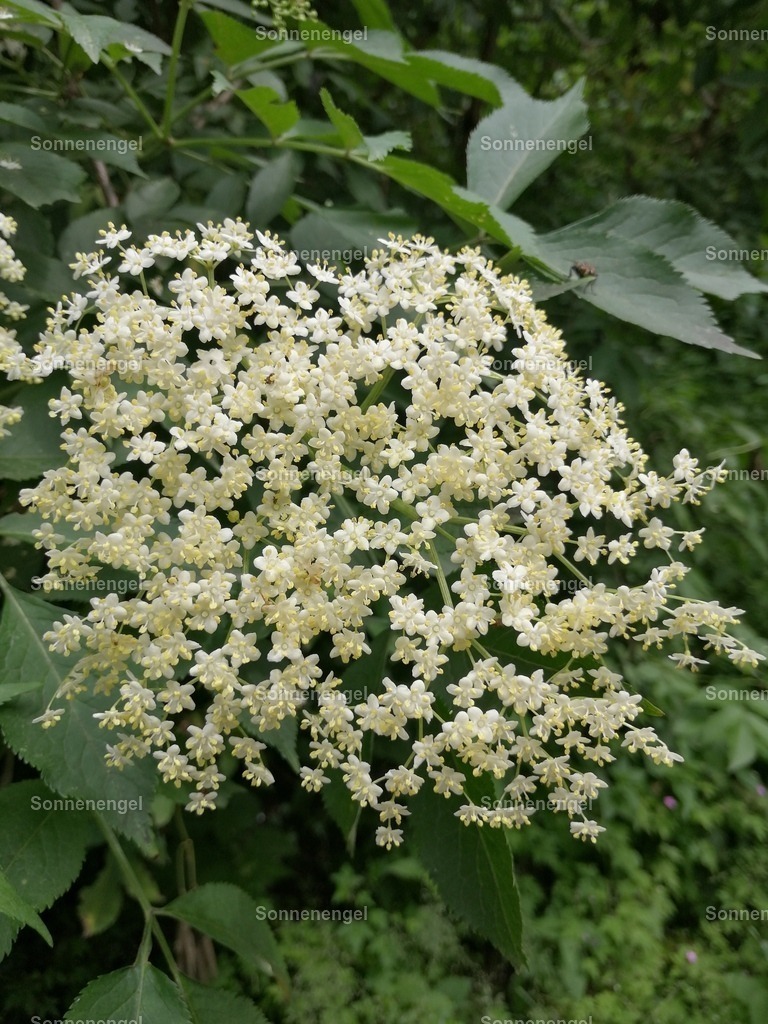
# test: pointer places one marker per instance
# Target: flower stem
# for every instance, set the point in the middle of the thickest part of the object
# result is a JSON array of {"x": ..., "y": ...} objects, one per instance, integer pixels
[{"x": 173, "y": 65}]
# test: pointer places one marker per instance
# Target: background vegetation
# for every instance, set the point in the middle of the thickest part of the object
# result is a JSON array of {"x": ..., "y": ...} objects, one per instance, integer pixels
[{"x": 617, "y": 931}]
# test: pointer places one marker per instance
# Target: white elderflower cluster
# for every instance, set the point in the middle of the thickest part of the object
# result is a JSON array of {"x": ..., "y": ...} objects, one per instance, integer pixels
[
  {"x": 229, "y": 445},
  {"x": 14, "y": 365}
]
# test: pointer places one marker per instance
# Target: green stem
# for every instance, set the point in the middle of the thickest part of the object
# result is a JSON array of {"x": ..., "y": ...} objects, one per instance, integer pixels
[
  {"x": 196, "y": 100},
  {"x": 133, "y": 885},
  {"x": 441, "y": 580},
  {"x": 377, "y": 389},
  {"x": 572, "y": 568},
  {"x": 131, "y": 92},
  {"x": 173, "y": 65}
]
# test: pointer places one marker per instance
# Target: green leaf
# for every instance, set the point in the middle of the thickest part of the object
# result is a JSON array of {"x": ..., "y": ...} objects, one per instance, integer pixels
[
  {"x": 139, "y": 993},
  {"x": 346, "y": 126},
  {"x": 382, "y": 53},
  {"x": 95, "y": 33},
  {"x": 231, "y": 917},
  {"x": 234, "y": 41},
  {"x": 379, "y": 146},
  {"x": 36, "y": 12},
  {"x": 375, "y": 14},
  {"x": 82, "y": 233},
  {"x": 99, "y": 904},
  {"x": 677, "y": 232},
  {"x": 472, "y": 77},
  {"x": 636, "y": 285},
  {"x": 501, "y": 175},
  {"x": 228, "y": 193},
  {"x": 266, "y": 104},
  {"x": 743, "y": 747},
  {"x": 41, "y": 851},
  {"x": 14, "y": 113},
  {"x": 38, "y": 177},
  {"x": 34, "y": 444},
  {"x": 12, "y": 905},
  {"x": 343, "y": 810},
  {"x": 151, "y": 200},
  {"x": 106, "y": 147},
  {"x": 283, "y": 740},
  {"x": 69, "y": 756},
  {"x": 270, "y": 187},
  {"x": 343, "y": 236},
  {"x": 650, "y": 709},
  {"x": 460, "y": 203},
  {"x": 473, "y": 869},
  {"x": 219, "y": 1006},
  {"x": 365, "y": 675},
  {"x": 47, "y": 279},
  {"x": 20, "y": 526},
  {"x": 8, "y": 691}
]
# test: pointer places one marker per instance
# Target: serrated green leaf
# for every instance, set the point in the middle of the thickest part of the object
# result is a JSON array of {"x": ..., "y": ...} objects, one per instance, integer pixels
[
  {"x": 500, "y": 175},
  {"x": 231, "y": 917},
  {"x": 441, "y": 189},
  {"x": 219, "y": 1006},
  {"x": 472, "y": 77},
  {"x": 346, "y": 126},
  {"x": 677, "y": 232},
  {"x": 38, "y": 177},
  {"x": 14, "y": 906},
  {"x": 379, "y": 146},
  {"x": 472, "y": 868},
  {"x": 383, "y": 53},
  {"x": 95, "y": 33},
  {"x": 270, "y": 187},
  {"x": 138, "y": 993},
  {"x": 41, "y": 851},
  {"x": 70, "y": 756},
  {"x": 267, "y": 105},
  {"x": 636, "y": 285}
]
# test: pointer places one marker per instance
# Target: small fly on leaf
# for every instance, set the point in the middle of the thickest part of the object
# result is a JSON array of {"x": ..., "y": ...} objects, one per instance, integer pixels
[{"x": 581, "y": 269}]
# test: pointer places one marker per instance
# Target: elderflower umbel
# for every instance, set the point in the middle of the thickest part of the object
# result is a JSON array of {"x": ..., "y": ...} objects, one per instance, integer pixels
[
  {"x": 14, "y": 364},
  {"x": 229, "y": 444}
]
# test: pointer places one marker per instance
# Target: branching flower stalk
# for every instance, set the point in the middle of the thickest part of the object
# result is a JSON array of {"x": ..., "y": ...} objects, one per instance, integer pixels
[{"x": 194, "y": 416}]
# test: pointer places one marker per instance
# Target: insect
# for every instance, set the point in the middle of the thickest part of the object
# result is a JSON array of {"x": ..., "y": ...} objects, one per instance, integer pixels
[{"x": 581, "y": 269}]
